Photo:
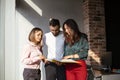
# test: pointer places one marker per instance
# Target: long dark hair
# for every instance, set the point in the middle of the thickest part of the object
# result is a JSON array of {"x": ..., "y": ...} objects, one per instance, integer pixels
[{"x": 74, "y": 26}]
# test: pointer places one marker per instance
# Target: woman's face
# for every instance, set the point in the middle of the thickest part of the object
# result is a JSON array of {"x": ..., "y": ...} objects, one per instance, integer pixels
[
  {"x": 38, "y": 36},
  {"x": 68, "y": 30}
]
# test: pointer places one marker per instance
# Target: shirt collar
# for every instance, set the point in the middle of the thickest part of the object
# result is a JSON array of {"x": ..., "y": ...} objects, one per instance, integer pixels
[{"x": 31, "y": 43}]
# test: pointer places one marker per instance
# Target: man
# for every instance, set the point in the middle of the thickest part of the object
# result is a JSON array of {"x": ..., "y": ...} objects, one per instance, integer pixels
[{"x": 54, "y": 40}]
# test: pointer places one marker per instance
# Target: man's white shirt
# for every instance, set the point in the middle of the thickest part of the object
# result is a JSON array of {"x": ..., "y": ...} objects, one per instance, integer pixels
[{"x": 55, "y": 45}]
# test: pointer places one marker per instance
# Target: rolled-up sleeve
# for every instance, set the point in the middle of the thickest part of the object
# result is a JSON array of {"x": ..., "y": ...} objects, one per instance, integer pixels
[{"x": 84, "y": 50}]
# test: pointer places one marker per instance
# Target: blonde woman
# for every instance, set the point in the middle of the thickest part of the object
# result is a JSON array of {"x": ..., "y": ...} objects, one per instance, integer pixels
[{"x": 32, "y": 55}]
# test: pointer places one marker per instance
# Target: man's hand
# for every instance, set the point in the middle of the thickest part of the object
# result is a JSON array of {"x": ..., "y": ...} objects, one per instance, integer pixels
[{"x": 58, "y": 63}]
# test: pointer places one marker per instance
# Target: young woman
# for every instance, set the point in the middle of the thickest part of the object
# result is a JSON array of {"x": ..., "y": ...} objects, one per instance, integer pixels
[
  {"x": 32, "y": 55},
  {"x": 76, "y": 47}
]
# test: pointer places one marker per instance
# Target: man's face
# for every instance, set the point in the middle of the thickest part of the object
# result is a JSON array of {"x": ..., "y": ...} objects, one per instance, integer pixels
[{"x": 55, "y": 30}]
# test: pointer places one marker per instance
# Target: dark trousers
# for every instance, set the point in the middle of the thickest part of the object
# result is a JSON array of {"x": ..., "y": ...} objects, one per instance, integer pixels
[
  {"x": 54, "y": 72},
  {"x": 31, "y": 74}
]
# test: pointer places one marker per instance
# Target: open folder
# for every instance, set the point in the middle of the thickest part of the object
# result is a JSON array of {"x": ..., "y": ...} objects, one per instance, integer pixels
[{"x": 63, "y": 60}]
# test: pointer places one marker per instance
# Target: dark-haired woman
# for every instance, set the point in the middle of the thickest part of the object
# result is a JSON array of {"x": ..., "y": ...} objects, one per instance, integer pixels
[{"x": 76, "y": 48}]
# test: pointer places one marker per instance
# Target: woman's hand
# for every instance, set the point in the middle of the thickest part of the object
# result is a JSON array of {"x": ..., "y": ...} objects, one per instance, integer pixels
[
  {"x": 46, "y": 61},
  {"x": 67, "y": 57},
  {"x": 75, "y": 56},
  {"x": 71, "y": 56},
  {"x": 43, "y": 59}
]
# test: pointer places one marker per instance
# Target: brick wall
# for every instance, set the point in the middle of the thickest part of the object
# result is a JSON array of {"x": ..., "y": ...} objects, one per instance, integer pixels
[{"x": 94, "y": 26}]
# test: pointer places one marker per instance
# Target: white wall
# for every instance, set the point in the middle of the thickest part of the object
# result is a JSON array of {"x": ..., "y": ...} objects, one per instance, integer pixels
[
  {"x": 2, "y": 40},
  {"x": 7, "y": 40},
  {"x": 38, "y": 12}
]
